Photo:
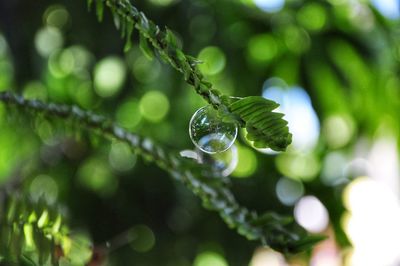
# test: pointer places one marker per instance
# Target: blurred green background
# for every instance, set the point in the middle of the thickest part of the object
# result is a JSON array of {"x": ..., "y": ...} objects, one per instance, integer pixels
[{"x": 332, "y": 65}]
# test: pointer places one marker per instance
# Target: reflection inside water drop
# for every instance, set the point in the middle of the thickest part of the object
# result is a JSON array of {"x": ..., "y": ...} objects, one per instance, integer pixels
[{"x": 222, "y": 164}]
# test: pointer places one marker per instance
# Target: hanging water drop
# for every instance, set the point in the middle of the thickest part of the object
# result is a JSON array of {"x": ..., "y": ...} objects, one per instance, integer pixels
[
  {"x": 223, "y": 163},
  {"x": 211, "y": 133}
]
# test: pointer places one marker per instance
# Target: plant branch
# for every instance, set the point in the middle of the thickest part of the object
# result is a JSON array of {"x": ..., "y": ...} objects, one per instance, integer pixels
[
  {"x": 278, "y": 232},
  {"x": 266, "y": 128},
  {"x": 164, "y": 43}
]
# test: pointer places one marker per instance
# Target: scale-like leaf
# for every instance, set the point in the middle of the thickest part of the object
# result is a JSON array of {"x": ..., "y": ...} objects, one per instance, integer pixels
[
  {"x": 306, "y": 243},
  {"x": 144, "y": 46},
  {"x": 267, "y": 129},
  {"x": 128, "y": 41},
  {"x": 99, "y": 9}
]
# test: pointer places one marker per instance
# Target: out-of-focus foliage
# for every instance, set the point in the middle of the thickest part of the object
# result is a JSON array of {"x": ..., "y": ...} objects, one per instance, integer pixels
[
  {"x": 331, "y": 65},
  {"x": 33, "y": 233}
]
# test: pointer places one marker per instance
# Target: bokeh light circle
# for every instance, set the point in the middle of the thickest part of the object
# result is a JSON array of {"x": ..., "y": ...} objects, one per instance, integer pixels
[
  {"x": 142, "y": 238},
  {"x": 213, "y": 59},
  {"x": 154, "y": 106},
  {"x": 209, "y": 258},
  {"x": 310, "y": 213},
  {"x": 289, "y": 190},
  {"x": 47, "y": 40},
  {"x": 44, "y": 186},
  {"x": 109, "y": 76}
]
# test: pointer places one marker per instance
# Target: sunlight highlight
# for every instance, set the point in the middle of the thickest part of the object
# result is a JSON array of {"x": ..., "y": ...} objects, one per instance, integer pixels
[
  {"x": 372, "y": 223},
  {"x": 270, "y": 6},
  {"x": 388, "y": 8}
]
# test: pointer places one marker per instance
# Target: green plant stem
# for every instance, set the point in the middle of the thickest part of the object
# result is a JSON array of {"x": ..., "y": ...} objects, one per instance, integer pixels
[{"x": 163, "y": 43}]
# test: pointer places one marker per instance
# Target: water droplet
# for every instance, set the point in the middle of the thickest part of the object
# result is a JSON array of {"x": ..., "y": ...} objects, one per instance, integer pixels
[
  {"x": 224, "y": 162},
  {"x": 209, "y": 132}
]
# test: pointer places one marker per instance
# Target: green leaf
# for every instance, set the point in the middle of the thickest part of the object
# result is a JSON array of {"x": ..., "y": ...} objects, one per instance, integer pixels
[
  {"x": 272, "y": 218},
  {"x": 89, "y": 4},
  {"x": 144, "y": 46},
  {"x": 129, "y": 30},
  {"x": 26, "y": 261},
  {"x": 27, "y": 239},
  {"x": 117, "y": 18},
  {"x": 99, "y": 9},
  {"x": 306, "y": 243},
  {"x": 265, "y": 128},
  {"x": 171, "y": 38},
  {"x": 193, "y": 60}
]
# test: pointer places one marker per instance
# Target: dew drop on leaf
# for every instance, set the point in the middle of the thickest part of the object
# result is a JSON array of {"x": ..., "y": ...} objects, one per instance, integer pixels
[{"x": 211, "y": 133}]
